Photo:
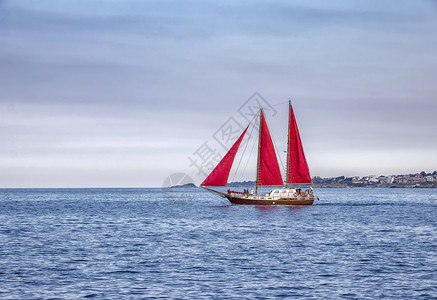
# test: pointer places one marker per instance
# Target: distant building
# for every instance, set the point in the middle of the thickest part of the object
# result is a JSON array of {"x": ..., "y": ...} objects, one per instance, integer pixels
[
  {"x": 418, "y": 178},
  {"x": 373, "y": 179},
  {"x": 356, "y": 180},
  {"x": 429, "y": 178},
  {"x": 390, "y": 179}
]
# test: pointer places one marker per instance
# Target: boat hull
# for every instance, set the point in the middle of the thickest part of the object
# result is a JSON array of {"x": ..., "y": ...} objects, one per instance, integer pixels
[{"x": 250, "y": 201}]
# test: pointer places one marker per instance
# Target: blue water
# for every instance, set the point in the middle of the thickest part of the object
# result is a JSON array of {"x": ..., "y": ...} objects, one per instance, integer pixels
[{"x": 149, "y": 243}]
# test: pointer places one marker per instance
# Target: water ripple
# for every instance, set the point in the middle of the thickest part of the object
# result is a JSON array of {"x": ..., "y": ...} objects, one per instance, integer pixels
[{"x": 132, "y": 243}]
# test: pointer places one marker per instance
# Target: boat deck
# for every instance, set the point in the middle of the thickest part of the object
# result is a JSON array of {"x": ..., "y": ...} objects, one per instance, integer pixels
[{"x": 266, "y": 201}]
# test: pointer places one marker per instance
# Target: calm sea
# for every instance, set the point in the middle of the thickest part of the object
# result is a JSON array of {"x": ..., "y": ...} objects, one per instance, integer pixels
[{"x": 189, "y": 244}]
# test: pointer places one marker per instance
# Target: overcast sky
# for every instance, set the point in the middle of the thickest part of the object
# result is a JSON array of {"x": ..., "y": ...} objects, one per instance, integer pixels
[{"x": 105, "y": 93}]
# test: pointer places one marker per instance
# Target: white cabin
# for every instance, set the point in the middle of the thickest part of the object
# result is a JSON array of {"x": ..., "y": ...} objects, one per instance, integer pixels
[{"x": 283, "y": 193}]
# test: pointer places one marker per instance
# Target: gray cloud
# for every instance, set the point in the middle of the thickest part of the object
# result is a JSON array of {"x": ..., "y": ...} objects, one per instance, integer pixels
[
  {"x": 199, "y": 19},
  {"x": 138, "y": 86}
]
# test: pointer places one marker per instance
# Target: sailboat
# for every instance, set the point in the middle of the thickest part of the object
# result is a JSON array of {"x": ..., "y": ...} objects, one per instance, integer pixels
[{"x": 268, "y": 173}]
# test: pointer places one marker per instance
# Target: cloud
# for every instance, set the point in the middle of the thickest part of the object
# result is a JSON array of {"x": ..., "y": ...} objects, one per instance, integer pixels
[
  {"x": 195, "y": 19},
  {"x": 139, "y": 85}
]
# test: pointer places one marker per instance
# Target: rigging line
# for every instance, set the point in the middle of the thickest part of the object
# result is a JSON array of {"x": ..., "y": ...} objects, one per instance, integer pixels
[
  {"x": 271, "y": 105},
  {"x": 250, "y": 154},
  {"x": 276, "y": 147},
  {"x": 277, "y": 153},
  {"x": 244, "y": 151},
  {"x": 279, "y": 103}
]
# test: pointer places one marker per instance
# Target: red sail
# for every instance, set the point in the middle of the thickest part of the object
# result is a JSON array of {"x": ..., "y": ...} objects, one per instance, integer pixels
[
  {"x": 297, "y": 167},
  {"x": 219, "y": 176},
  {"x": 268, "y": 167}
]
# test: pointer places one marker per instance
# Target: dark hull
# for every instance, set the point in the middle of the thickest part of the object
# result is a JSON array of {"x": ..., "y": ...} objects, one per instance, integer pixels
[{"x": 249, "y": 201}]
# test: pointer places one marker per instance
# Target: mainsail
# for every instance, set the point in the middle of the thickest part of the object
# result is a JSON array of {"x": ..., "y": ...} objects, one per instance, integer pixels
[
  {"x": 297, "y": 167},
  {"x": 268, "y": 172},
  {"x": 219, "y": 176}
]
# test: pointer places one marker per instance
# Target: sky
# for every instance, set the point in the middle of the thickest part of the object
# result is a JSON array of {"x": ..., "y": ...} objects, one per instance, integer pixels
[{"x": 105, "y": 93}]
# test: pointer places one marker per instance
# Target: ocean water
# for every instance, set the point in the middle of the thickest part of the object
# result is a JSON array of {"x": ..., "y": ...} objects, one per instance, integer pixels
[{"x": 190, "y": 244}]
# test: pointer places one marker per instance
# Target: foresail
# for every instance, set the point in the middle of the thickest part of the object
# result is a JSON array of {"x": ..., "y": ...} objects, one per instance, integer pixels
[
  {"x": 269, "y": 172},
  {"x": 297, "y": 167},
  {"x": 219, "y": 176}
]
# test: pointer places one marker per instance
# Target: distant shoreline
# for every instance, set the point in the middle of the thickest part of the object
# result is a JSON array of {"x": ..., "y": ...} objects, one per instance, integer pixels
[{"x": 418, "y": 180}]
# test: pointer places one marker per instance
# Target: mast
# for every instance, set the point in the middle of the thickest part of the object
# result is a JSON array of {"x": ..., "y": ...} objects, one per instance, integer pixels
[
  {"x": 259, "y": 151},
  {"x": 297, "y": 167},
  {"x": 288, "y": 145}
]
